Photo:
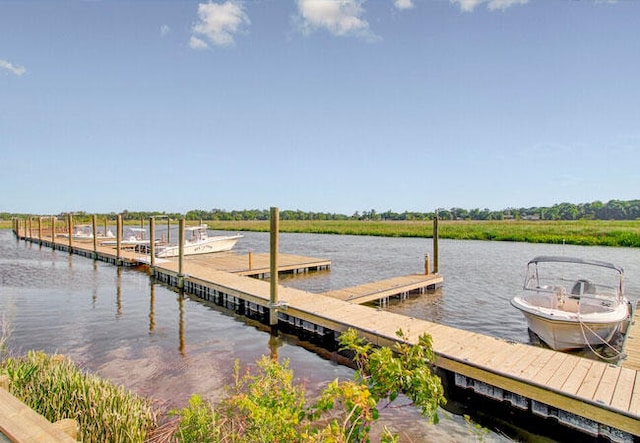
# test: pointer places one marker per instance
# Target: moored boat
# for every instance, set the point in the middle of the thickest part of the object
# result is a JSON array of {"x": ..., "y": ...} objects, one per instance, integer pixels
[
  {"x": 573, "y": 303},
  {"x": 198, "y": 241}
]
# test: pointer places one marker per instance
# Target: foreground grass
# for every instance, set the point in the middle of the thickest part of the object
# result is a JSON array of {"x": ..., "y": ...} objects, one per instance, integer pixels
[
  {"x": 54, "y": 387},
  {"x": 579, "y": 232}
]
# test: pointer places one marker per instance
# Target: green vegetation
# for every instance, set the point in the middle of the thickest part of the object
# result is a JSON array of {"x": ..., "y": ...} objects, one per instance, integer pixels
[
  {"x": 268, "y": 407},
  {"x": 54, "y": 387},
  {"x": 261, "y": 407},
  {"x": 579, "y": 232}
]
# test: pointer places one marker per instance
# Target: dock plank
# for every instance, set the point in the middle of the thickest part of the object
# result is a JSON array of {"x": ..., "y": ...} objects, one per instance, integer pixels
[
  {"x": 591, "y": 380},
  {"x": 607, "y": 385},
  {"x": 624, "y": 389}
]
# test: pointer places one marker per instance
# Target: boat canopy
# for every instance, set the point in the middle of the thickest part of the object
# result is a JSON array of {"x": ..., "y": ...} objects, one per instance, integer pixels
[{"x": 563, "y": 259}]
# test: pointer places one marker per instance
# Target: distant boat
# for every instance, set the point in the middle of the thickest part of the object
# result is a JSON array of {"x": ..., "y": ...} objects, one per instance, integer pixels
[
  {"x": 571, "y": 303},
  {"x": 85, "y": 233},
  {"x": 131, "y": 237},
  {"x": 197, "y": 241}
]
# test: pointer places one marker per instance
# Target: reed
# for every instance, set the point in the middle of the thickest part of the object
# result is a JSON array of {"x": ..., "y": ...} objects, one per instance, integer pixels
[
  {"x": 54, "y": 387},
  {"x": 625, "y": 233}
]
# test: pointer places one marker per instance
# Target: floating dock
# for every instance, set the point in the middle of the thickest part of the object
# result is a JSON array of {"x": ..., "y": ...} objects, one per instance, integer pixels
[{"x": 592, "y": 397}]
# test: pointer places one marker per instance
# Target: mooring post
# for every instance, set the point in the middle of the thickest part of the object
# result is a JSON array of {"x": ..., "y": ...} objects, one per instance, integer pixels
[
  {"x": 53, "y": 232},
  {"x": 427, "y": 268},
  {"x": 273, "y": 302},
  {"x": 435, "y": 244},
  {"x": 250, "y": 260},
  {"x": 94, "y": 229},
  {"x": 30, "y": 229},
  {"x": 40, "y": 230},
  {"x": 152, "y": 242},
  {"x": 168, "y": 229},
  {"x": 25, "y": 228},
  {"x": 118, "y": 237},
  {"x": 181, "y": 253},
  {"x": 70, "y": 231}
]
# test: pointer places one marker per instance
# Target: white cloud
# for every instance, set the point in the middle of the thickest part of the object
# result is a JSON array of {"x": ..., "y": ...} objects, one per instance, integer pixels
[
  {"x": 196, "y": 43},
  {"x": 339, "y": 17},
  {"x": 17, "y": 70},
  {"x": 470, "y": 5},
  {"x": 403, "y": 4},
  {"x": 164, "y": 30},
  {"x": 218, "y": 23}
]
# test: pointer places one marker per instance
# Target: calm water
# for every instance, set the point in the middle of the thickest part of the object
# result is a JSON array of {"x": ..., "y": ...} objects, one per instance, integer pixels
[{"x": 120, "y": 324}]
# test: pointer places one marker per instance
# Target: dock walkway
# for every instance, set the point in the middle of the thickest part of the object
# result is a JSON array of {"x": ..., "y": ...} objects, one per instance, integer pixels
[{"x": 595, "y": 397}]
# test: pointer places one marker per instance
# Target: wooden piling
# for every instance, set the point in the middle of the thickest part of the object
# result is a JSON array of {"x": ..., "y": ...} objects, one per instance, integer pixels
[
  {"x": 275, "y": 226},
  {"x": 30, "y": 228},
  {"x": 70, "y": 231},
  {"x": 152, "y": 241},
  {"x": 53, "y": 231},
  {"x": 40, "y": 230},
  {"x": 435, "y": 244},
  {"x": 427, "y": 268},
  {"x": 250, "y": 260},
  {"x": 181, "y": 253},
  {"x": 118, "y": 237},
  {"x": 94, "y": 229}
]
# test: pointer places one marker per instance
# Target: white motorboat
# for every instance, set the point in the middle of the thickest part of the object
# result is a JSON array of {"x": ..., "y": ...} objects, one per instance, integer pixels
[
  {"x": 130, "y": 237},
  {"x": 571, "y": 303},
  {"x": 85, "y": 233},
  {"x": 197, "y": 241}
]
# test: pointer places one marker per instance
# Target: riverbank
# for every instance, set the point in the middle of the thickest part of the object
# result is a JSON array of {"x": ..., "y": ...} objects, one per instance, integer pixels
[{"x": 580, "y": 232}]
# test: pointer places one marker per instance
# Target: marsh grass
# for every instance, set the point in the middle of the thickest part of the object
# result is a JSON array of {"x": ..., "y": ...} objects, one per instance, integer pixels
[
  {"x": 579, "y": 232},
  {"x": 54, "y": 387}
]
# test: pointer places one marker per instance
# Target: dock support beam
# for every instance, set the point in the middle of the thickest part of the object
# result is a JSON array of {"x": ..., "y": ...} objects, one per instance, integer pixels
[
  {"x": 152, "y": 242},
  {"x": 94, "y": 229},
  {"x": 435, "y": 244},
  {"x": 273, "y": 302},
  {"x": 181, "y": 253},
  {"x": 53, "y": 232},
  {"x": 118, "y": 237},
  {"x": 40, "y": 231},
  {"x": 70, "y": 231}
]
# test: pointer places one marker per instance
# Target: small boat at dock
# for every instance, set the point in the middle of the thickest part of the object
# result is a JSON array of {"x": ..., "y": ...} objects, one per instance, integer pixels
[
  {"x": 85, "y": 233},
  {"x": 198, "y": 241},
  {"x": 572, "y": 303}
]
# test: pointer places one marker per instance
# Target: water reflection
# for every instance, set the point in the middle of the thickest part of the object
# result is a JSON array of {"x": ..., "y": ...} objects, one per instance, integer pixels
[{"x": 152, "y": 302}]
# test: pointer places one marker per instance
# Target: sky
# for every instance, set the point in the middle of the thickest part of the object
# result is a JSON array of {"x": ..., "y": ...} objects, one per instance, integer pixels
[{"x": 317, "y": 105}]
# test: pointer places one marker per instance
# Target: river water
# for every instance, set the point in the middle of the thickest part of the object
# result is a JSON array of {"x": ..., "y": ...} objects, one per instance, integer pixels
[{"x": 120, "y": 324}]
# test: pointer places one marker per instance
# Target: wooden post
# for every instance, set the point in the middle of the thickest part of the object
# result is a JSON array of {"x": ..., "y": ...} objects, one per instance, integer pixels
[
  {"x": 273, "y": 300},
  {"x": 118, "y": 237},
  {"x": 250, "y": 260},
  {"x": 70, "y": 231},
  {"x": 152, "y": 241},
  {"x": 427, "y": 268},
  {"x": 105, "y": 226},
  {"x": 25, "y": 228},
  {"x": 94, "y": 227},
  {"x": 30, "y": 228},
  {"x": 53, "y": 231},
  {"x": 181, "y": 253},
  {"x": 435, "y": 244},
  {"x": 168, "y": 230},
  {"x": 40, "y": 230}
]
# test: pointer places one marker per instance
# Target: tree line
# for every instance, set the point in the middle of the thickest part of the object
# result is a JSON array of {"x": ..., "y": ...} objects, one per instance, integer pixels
[{"x": 597, "y": 210}]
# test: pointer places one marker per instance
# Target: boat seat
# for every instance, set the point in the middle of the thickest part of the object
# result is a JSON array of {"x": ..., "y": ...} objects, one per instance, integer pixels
[{"x": 583, "y": 286}]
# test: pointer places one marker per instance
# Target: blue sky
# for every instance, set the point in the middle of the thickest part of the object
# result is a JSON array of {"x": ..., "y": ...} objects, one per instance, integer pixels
[{"x": 317, "y": 105}]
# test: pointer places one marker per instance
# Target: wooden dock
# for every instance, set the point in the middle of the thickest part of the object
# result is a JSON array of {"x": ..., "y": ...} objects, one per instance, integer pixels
[
  {"x": 384, "y": 289},
  {"x": 594, "y": 397}
]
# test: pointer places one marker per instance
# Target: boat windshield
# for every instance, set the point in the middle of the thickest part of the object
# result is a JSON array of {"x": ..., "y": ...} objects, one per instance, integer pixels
[{"x": 577, "y": 278}]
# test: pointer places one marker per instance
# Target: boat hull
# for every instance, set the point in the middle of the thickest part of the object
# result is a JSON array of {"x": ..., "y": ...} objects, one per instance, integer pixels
[
  {"x": 562, "y": 331},
  {"x": 213, "y": 244}
]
